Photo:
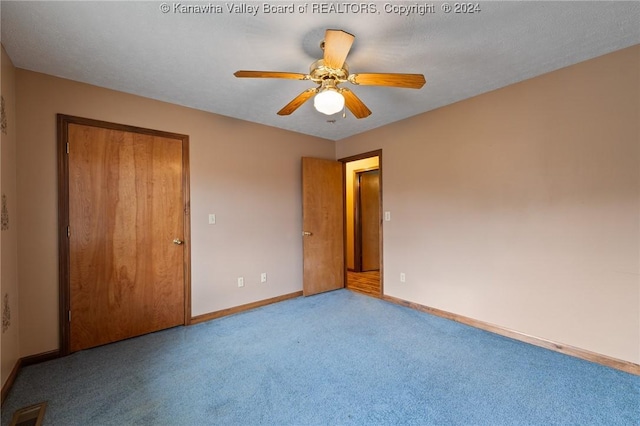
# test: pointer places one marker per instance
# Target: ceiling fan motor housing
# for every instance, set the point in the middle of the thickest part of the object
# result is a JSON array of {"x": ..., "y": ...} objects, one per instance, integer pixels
[{"x": 318, "y": 72}]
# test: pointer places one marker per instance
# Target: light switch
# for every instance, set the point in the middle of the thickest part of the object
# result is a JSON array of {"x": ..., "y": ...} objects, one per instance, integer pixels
[
  {"x": 387, "y": 216},
  {"x": 212, "y": 219}
]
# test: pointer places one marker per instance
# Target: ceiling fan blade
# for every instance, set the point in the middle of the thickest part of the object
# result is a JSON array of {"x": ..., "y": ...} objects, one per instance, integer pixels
[
  {"x": 297, "y": 101},
  {"x": 270, "y": 74},
  {"x": 410, "y": 81},
  {"x": 355, "y": 105},
  {"x": 337, "y": 44}
]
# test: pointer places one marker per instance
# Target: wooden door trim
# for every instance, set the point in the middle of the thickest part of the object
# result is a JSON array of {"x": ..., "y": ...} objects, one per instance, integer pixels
[
  {"x": 64, "y": 305},
  {"x": 344, "y": 161}
]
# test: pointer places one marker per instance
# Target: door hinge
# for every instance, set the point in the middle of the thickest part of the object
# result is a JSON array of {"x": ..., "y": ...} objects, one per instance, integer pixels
[
  {"x": 67, "y": 147},
  {"x": 69, "y": 316},
  {"x": 68, "y": 232}
]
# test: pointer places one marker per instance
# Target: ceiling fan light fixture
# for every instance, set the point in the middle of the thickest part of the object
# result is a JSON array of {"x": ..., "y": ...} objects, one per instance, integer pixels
[{"x": 329, "y": 101}]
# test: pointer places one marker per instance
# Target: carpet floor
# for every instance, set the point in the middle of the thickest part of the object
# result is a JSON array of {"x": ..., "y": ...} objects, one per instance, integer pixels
[{"x": 338, "y": 358}]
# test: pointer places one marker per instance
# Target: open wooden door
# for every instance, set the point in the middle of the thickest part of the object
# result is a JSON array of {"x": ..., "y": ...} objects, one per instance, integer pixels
[{"x": 322, "y": 225}]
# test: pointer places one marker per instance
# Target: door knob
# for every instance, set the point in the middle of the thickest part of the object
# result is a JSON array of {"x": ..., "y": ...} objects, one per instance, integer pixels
[
  {"x": 178, "y": 241},
  {"x": 306, "y": 234}
]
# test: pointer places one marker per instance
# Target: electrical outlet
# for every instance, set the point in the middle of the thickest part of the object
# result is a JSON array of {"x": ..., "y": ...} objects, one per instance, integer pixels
[
  {"x": 263, "y": 277},
  {"x": 387, "y": 216},
  {"x": 240, "y": 282},
  {"x": 403, "y": 277},
  {"x": 212, "y": 219}
]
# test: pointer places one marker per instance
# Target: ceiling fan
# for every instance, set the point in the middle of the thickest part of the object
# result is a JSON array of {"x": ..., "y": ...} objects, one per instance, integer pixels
[{"x": 331, "y": 71}]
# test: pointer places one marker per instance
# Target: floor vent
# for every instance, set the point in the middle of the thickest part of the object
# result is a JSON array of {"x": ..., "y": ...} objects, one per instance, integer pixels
[{"x": 29, "y": 416}]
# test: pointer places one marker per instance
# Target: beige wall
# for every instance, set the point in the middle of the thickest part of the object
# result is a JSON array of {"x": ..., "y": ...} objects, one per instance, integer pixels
[
  {"x": 9, "y": 237},
  {"x": 247, "y": 174},
  {"x": 520, "y": 207},
  {"x": 351, "y": 168}
]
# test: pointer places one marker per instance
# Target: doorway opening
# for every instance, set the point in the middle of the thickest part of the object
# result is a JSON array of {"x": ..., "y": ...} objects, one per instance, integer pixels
[{"x": 363, "y": 222}]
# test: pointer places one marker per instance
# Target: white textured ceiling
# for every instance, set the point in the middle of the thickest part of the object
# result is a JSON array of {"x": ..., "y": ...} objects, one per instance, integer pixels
[{"x": 189, "y": 59}]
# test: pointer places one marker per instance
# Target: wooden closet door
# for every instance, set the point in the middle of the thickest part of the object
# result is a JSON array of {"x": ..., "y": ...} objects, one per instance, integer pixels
[{"x": 126, "y": 213}]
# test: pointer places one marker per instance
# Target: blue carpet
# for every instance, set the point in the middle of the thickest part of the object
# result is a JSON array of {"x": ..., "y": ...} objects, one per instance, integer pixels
[{"x": 334, "y": 359}]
